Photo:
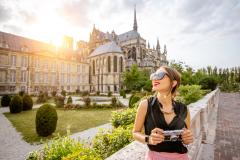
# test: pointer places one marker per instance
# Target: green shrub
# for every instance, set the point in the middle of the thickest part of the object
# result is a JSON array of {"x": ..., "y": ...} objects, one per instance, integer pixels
[
  {"x": 64, "y": 149},
  {"x": 5, "y": 101},
  {"x": 133, "y": 99},
  {"x": 21, "y": 93},
  {"x": 59, "y": 101},
  {"x": 114, "y": 101},
  {"x": 63, "y": 93},
  {"x": 77, "y": 91},
  {"x": 208, "y": 83},
  {"x": 109, "y": 94},
  {"x": 190, "y": 94},
  {"x": 27, "y": 102},
  {"x": 16, "y": 104},
  {"x": 98, "y": 93},
  {"x": 46, "y": 120},
  {"x": 108, "y": 142},
  {"x": 42, "y": 97},
  {"x": 123, "y": 118},
  {"x": 121, "y": 92},
  {"x": 124, "y": 95},
  {"x": 69, "y": 100},
  {"x": 54, "y": 93},
  {"x": 87, "y": 101}
]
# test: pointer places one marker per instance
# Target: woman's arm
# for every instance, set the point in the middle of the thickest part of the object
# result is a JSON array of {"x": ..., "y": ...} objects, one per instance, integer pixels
[
  {"x": 187, "y": 135},
  {"x": 139, "y": 121}
]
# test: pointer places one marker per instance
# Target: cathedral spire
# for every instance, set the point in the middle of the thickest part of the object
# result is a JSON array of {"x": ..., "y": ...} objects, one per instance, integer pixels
[
  {"x": 158, "y": 45},
  {"x": 165, "y": 49},
  {"x": 135, "y": 20}
]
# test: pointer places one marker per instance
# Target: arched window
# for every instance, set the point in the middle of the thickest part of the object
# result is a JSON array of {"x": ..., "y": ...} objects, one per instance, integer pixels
[
  {"x": 109, "y": 64},
  {"x": 134, "y": 53},
  {"x": 121, "y": 64},
  {"x": 93, "y": 64},
  {"x": 115, "y": 64},
  {"x": 129, "y": 54}
]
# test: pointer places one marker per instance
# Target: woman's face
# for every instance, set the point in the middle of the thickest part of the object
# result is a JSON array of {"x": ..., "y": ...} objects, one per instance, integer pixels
[{"x": 162, "y": 85}]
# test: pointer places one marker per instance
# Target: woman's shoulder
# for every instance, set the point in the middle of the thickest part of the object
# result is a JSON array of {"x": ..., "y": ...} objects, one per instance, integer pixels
[{"x": 181, "y": 107}]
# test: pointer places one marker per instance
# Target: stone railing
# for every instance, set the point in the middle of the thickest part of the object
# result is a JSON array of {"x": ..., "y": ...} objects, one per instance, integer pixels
[{"x": 200, "y": 111}]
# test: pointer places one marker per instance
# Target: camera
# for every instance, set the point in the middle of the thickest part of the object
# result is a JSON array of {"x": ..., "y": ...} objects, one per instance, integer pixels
[{"x": 172, "y": 135}]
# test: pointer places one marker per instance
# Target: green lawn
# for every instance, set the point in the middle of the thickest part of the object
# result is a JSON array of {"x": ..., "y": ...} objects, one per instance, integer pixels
[{"x": 74, "y": 120}]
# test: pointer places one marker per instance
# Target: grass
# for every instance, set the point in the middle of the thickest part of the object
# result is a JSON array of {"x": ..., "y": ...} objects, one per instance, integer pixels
[{"x": 73, "y": 120}]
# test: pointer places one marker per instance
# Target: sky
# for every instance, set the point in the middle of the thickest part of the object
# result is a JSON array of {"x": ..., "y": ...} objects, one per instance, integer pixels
[{"x": 197, "y": 32}]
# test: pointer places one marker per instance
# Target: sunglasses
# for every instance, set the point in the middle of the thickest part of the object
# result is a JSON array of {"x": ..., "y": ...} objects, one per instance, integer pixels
[{"x": 158, "y": 75}]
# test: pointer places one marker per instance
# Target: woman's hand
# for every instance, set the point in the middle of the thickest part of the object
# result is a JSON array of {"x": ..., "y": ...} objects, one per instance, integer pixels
[
  {"x": 156, "y": 136},
  {"x": 187, "y": 136}
]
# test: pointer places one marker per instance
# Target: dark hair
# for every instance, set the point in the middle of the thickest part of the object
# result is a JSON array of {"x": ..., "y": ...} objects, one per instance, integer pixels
[{"x": 173, "y": 74}]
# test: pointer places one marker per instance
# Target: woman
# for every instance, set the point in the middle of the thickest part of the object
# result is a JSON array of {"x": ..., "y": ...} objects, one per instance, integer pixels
[{"x": 160, "y": 113}]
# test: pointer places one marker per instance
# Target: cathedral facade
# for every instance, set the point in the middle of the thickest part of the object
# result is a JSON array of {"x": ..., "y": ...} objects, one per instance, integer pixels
[{"x": 109, "y": 54}]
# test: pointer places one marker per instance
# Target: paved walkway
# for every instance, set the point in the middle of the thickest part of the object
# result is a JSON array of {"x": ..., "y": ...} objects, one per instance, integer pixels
[
  {"x": 12, "y": 147},
  {"x": 227, "y": 140}
]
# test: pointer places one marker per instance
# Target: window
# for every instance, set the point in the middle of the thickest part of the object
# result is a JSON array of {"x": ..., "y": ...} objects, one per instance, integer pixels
[
  {"x": 2, "y": 89},
  {"x": 115, "y": 64},
  {"x": 4, "y": 44},
  {"x": 13, "y": 60},
  {"x": 36, "y": 77},
  {"x": 46, "y": 78},
  {"x": 121, "y": 64},
  {"x": 109, "y": 64},
  {"x": 12, "y": 76},
  {"x": 23, "y": 88},
  {"x": 4, "y": 59},
  {"x": 3, "y": 76},
  {"x": 23, "y": 76},
  {"x": 54, "y": 81},
  {"x": 68, "y": 78},
  {"x": 24, "y": 61},
  {"x": 93, "y": 67},
  {"x": 12, "y": 88},
  {"x": 62, "y": 78},
  {"x": 68, "y": 68}
]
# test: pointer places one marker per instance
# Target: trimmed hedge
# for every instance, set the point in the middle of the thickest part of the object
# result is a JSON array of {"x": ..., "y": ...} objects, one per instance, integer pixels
[
  {"x": 27, "y": 102},
  {"x": 16, "y": 104},
  {"x": 46, "y": 120},
  {"x": 5, "y": 101}
]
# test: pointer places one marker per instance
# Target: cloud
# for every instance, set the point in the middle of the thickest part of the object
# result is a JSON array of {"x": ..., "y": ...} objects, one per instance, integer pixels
[
  {"x": 5, "y": 13},
  {"x": 214, "y": 17},
  {"x": 27, "y": 17},
  {"x": 12, "y": 28},
  {"x": 77, "y": 12}
]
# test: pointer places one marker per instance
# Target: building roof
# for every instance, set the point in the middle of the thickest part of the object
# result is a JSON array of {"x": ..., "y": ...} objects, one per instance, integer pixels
[
  {"x": 17, "y": 43},
  {"x": 133, "y": 34},
  {"x": 110, "y": 47}
]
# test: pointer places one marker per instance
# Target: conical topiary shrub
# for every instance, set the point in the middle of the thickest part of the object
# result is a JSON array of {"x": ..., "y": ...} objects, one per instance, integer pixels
[
  {"x": 27, "y": 102},
  {"x": 46, "y": 120},
  {"x": 16, "y": 104}
]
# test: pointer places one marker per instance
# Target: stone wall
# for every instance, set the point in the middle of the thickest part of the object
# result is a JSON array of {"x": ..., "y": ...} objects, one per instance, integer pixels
[{"x": 200, "y": 112}]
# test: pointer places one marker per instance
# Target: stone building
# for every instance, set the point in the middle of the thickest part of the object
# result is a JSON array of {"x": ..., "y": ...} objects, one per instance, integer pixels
[{"x": 33, "y": 66}]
